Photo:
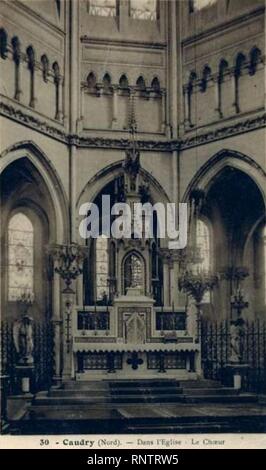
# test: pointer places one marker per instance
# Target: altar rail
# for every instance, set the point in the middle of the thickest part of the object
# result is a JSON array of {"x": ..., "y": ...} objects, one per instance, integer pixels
[{"x": 215, "y": 347}]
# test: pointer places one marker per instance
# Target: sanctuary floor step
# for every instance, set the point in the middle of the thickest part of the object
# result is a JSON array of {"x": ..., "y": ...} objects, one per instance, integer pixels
[{"x": 142, "y": 405}]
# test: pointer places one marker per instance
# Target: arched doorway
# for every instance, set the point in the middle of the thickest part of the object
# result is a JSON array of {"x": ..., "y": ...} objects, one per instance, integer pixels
[
  {"x": 234, "y": 204},
  {"x": 29, "y": 216},
  {"x": 234, "y": 210}
]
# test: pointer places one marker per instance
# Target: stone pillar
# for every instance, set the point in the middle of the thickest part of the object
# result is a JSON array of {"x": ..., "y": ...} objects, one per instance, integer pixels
[
  {"x": 186, "y": 110},
  {"x": 57, "y": 324},
  {"x": 18, "y": 91},
  {"x": 218, "y": 95},
  {"x": 68, "y": 302},
  {"x": 59, "y": 114},
  {"x": 191, "y": 319},
  {"x": 172, "y": 283},
  {"x": 73, "y": 115},
  {"x": 172, "y": 56},
  {"x": 81, "y": 115},
  {"x": 235, "y": 84},
  {"x": 79, "y": 297},
  {"x": 115, "y": 107},
  {"x": 163, "y": 111}
]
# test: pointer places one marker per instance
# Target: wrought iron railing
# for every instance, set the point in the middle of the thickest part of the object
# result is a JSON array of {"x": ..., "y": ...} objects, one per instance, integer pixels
[
  {"x": 170, "y": 321},
  {"x": 42, "y": 372},
  {"x": 215, "y": 351},
  {"x": 43, "y": 338}
]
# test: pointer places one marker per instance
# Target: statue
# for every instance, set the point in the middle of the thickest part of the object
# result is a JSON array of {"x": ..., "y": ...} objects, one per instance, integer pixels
[
  {"x": 23, "y": 339},
  {"x": 131, "y": 166},
  {"x": 236, "y": 330}
]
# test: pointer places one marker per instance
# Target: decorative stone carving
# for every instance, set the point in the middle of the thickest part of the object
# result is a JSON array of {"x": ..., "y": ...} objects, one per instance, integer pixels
[
  {"x": 135, "y": 328},
  {"x": 226, "y": 131},
  {"x": 149, "y": 145}
]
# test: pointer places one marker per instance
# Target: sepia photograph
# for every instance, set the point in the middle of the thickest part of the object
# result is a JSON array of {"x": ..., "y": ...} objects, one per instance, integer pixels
[{"x": 133, "y": 228}]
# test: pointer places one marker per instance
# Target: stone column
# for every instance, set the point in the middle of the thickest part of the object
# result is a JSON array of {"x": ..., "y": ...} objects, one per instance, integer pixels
[
  {"x": 81, "y": 115},
  {"x": 68, "y": 264},
  {"x": 185, "y": 105},
  {"x": 163, "y": 111},
  {"x": 59, "y": 114},
  {"x": 166, "y": 293},
  {"x": 115, "y": 107},
  {"x": 68, "y": 302},
  {"x": 79, "y": 296},
  {"x": 73, "y": 115},
  {"x": 57, "y": 324},
  {"x": 17, "y": 62},
  {"x": 172, "y": 57}
]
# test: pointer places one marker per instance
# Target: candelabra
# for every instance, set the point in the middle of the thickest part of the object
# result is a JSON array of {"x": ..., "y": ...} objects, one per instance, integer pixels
[
  {"x": 25, "y": 299},
  {"x": 239, "y": 302},
  {"x": 68, "y": 261},
  {"x": 196, "y": 283}
]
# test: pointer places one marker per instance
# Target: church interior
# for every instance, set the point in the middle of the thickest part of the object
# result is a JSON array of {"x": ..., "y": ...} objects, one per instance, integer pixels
[{"x": 144, "y": 101}]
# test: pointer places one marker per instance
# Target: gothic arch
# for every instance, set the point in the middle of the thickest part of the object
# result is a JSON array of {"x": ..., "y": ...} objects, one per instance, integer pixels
[
  {"x": 95, "y": 185},
  {"x": 206, "y": 175},
  {"x": 29, "y": 150},
  {"x": 251, "y": 233},
  {"x": 107, "y": 174}
]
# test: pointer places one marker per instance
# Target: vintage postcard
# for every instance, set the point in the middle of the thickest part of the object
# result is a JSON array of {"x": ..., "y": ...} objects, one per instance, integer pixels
[{"x": 133, "y": 231}]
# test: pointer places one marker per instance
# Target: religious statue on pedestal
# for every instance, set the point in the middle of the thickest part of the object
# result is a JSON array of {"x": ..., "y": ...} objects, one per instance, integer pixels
[
  {"x": 23, "y": 339},
  {"x": 236, "y": 333}
]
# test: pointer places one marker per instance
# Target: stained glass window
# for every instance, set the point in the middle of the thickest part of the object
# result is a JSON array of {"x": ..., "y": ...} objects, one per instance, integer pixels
[
  {"x": 199, "y": 4},
  {"x": 143, "y": 9},
  {"x": 203, "y": 244},
  {"x": 101, "y": 267},
  {"x": 20, "y": 256},
  {"x": 102, "y": 7},
  {"x": 204, "y": 250},
  {"x": 133, "y": 272}
]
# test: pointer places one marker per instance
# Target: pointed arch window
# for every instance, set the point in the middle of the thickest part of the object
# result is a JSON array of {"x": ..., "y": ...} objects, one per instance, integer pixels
[
  {"x": 102, "y": 7},
  {"x": 123, "y": 82},
  {"x": 203, "y": 244},
  {"x": 133, "y": 272},
  {"x": 3, "y": 43},
  {"x": 200, "y": 4},
  {"x": 20, "y": 256},
  {"x": 203, "y": 240},
  {"x": 91, "y": 82},
  {"x": 102, "y": 265},
  {"x": 144, "y": 9}
]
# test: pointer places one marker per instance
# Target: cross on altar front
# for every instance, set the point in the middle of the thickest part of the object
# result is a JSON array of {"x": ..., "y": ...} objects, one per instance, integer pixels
[{"x": 134, "y": 361}]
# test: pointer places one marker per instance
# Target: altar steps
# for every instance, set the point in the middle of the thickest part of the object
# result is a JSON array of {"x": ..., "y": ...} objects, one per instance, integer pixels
[
  {"x": 113, "y": 392},
  {"x": 142, "y": 399},
  {"x": 141, "y": 406},
  {"x": 150, "y": 419},
  {"x": 140, "y": 392}
]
